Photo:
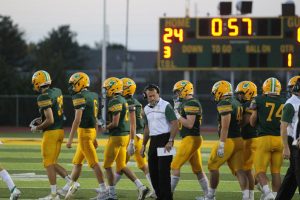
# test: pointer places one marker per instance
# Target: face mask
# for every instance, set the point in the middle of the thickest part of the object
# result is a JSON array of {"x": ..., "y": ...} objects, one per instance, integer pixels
[{"x": 71, "y": 91}]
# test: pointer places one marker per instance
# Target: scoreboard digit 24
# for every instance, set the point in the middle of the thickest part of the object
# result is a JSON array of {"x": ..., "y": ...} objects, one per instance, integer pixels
[{"x": 229, "y": 42}]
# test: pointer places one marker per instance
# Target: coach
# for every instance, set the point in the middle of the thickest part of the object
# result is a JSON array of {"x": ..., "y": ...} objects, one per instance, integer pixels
[
  {"x": 161, "y": 126},
  {"x": 290, "y": 129}
]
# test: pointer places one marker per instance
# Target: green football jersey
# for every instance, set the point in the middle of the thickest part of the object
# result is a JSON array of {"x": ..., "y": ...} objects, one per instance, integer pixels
[
  {"x": 234, "y": 107},
  {"x": 269, "y": 112},
  {"x": 135, "y": 105},
  {"x": 190, "y": 107},
  {"x": 52, "y": 98},
  {"x": 118, "y": 104},
  {"x": 248, "y": 131},
  {"x": 89, "y": 102}
]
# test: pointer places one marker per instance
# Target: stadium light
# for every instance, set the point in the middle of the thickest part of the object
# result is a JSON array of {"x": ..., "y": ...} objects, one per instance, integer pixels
[
  {"x": 245, "y": 7},
  {"x": 288, "y": 8},
  {"x": 225, "y": 7}
]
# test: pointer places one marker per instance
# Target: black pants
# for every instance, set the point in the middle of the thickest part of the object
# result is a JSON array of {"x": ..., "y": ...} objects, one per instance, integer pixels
[
  {"x": 292, "y": 178},
  {"x": 159, "y": 167}
]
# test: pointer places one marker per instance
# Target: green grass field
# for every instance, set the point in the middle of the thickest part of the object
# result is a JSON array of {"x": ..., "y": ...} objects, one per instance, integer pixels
[{"x": 24, "y": 164}]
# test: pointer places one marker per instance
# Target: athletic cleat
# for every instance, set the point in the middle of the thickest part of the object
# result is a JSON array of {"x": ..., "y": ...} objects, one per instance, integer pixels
[
  {"x": 72, "y": 190},
  {"x": 112, "y": 196},
  {"x": 15, "y": 194},
  {"x": 205, "y": 198},
  {"x": 50, "y": 197},
  {"x": 101, "y": 196},
  {"x": 268, "y": 196},
  {"x": 143, "y": 191},
  {"x": 62, "y": 192},
  {"x": 151, "y": 194}
]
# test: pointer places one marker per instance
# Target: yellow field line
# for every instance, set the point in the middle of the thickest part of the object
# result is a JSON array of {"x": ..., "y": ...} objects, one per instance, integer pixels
[{"x": 101, "y": 142}]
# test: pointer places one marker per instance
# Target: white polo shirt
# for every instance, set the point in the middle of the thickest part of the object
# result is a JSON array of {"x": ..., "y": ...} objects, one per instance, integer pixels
[
  {"x": 290, "y": 114},
  {"x": 158, "y": 118}
]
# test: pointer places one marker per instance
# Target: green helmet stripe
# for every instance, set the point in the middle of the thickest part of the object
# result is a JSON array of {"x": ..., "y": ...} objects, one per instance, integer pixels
[
  {"x": 273, "y": 85},
  {"x": 46, "y": 75}
]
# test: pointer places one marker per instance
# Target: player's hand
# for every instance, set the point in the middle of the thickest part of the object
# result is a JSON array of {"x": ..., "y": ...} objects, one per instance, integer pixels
[
  {"x": 142, "y": 152},
  {"x": 95, "y": 144},
  {"x": 169, "y": 146},
  {"x": 101, "y": 123},
  {"x": 286, "y": 153},
  {"x": 220, "y": 151},
  {"x": 130, "y": 148},
  {"x": 34, "y": 129},
  {"x": 69, "y": 144}
]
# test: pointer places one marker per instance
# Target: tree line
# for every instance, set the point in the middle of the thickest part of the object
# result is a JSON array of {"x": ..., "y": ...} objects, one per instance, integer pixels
[{"x": 56, "y": 53}]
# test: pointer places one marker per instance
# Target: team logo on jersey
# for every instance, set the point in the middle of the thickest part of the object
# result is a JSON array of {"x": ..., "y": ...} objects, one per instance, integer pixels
[{"x": 246, "y": 85}]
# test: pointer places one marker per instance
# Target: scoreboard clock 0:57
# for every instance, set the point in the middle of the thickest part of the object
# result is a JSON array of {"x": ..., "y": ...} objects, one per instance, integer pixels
[{"x": 229, "y": 43}]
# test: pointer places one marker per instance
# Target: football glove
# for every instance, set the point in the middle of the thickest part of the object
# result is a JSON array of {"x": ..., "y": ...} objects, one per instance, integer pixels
[
  {"x": 220, "y": 151},
  {"x": 35, "y": 130},
  {"x": 101, "y": 123},
  {"x": 176, "y": 104},
  {"x": 130, "y": 148}
]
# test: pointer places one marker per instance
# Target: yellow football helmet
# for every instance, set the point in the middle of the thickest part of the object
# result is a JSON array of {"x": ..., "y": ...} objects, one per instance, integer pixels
[
  {"x": 293, "y": 81},
  {"x": 129, "y": 87},
  {"x": 248, "y": 88},
  {"x": 272, "y": 86},
  {"x": 113, "y": 86},
  {"x": 78, "y": 81},
  {"x": 221, "y": 89},
  {"x": 183, "y": 88},
  {"x": 39, "y": 79}
]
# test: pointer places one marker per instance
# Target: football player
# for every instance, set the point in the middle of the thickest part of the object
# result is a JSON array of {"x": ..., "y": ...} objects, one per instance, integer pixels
[
  {"x": 246, "y": 91},
  {"x": 266, "y": 115},
  {"x": 15, "y": 193},
  {"x": 189, "y": 115},
  {"x": 291, "y": 84},
  {"x": 119, "y": 129},
  {"x": 86, "y": 108},
  {"x": 50, "y": 103},
  {"x": 229, "y": 148}
]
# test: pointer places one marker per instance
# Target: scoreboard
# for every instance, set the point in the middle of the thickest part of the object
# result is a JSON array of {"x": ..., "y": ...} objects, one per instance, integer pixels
[{"x": 233, "y": 43}]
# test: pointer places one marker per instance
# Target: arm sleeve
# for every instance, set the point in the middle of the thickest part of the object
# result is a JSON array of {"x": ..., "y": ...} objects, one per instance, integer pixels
[
  {"x": 115, "y": 106},
  {"x": 224, "y": 107},
  {"x": 170, "y": 114},
  {"x": 288, "y": 113},
  {"x": 44, "y": 101},
  {"x": 131, "y": 105},
  {"x": 79, "y": 101},
  {"x": 192, "y": 108}
]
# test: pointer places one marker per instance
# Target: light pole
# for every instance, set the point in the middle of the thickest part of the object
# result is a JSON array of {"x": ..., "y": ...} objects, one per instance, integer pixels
[
  {"x": 103, "y": 69},
  {"x": 126, "y": 39}
]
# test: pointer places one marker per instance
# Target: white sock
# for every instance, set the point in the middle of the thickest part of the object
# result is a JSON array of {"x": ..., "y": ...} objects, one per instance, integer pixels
[
  {"x": 111, "y": 190},
  {"x": 275, "y": 194},
  {"x": 245, "y": 194},
  {"x": 117, "y": 178},
  {"x": 7, "y": 179},
  {"x": 53, "y": 189},
  {"x": 204, "y": 184},
  {"x": 138, "y": 183},
  {"x": 174, "y": 182},
  {"x": 149, "y": 181},
  {"x": 68, "y": 179},
  {"x": 266, "y": 189},
  {"x": 102, "y": 187},
  {"x": 251, "y": 194},
  {"x": 211, "y": 192}
]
